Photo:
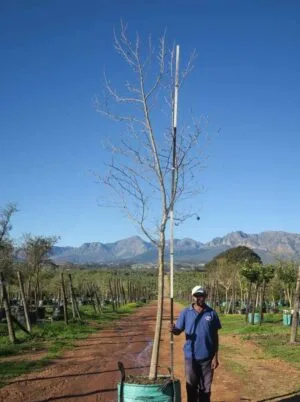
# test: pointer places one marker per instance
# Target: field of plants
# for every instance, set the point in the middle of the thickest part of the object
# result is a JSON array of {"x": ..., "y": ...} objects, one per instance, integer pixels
[
  {"x": 65, "y": 304},
  {"x": 70, "y": 306}
]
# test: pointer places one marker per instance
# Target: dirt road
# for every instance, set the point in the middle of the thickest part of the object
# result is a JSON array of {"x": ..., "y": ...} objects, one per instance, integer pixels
[{"x": 89, "y": 371}]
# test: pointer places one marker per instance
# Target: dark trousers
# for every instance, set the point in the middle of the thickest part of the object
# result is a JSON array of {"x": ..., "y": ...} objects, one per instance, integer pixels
[{"x": 199, "y": 376}]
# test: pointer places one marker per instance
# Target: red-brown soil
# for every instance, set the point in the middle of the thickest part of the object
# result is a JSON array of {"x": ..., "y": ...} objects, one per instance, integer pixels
[{"x": 89, "y": 371}]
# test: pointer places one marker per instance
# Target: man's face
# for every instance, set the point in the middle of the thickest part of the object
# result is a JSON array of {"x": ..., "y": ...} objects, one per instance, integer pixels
[{"x": 199, "y": 299}]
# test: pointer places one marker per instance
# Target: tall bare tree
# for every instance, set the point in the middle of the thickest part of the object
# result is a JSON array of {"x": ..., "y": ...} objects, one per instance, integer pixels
[{"x": 139, "y": 173}]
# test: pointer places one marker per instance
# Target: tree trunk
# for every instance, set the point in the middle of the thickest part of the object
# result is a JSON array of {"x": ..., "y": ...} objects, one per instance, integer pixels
[
  {"x": 29, "y": 292},
  {"x": 212, "y": 296},
  {"x": 233, "y": 298},
  {"x": 63, "y": 291},
  {"x": 296, "y": 310},
  {"x": 248, "y": 302},
  {"x": 98, "y": 300},
  {"x": 11, "y": 331},
  {"x": 112, "y": 295},
  {"x": 226, "y": 301},
  {"x": 20, "y": 325},
  {"x": 75, "y": 309},
  {"x": 159, "y": 313},
  {"x": 254, "y": 303},
  {"x": 91, "y": 297},
  {"x": 72, "y": 300},
  {"x": 27, "y": 319},
  {"x": 288, "y": 295},
  {"x": 36, "y": 290},
  {"x": 262, "y": 301}
]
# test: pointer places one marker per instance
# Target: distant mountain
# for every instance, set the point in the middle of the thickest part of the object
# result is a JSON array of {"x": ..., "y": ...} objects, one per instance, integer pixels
[
  {"x": 269, "y": 245},
  {"x": 97, "y": 252}
]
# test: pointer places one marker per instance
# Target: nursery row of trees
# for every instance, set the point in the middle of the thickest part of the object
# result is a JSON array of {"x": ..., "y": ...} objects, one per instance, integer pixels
[
  {"x": 237, "y": 278},
  {"x": 238, "y": 281},
  {"x": 32, "y": 280},
  {"x": 67, "y": 290}
]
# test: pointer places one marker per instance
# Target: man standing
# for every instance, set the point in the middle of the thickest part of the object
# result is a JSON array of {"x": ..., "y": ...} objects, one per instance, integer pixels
[{"x": 200, "y": 324}]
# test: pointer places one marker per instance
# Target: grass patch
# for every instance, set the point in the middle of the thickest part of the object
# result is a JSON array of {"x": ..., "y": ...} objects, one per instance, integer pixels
[
  {"x": 272, "y": 336},
  {"x": 280, "y": 348},
  {"x": 53, "y": 338},
  {"x": 236, "y": 368},
  {"x": 10, "y": 370}
]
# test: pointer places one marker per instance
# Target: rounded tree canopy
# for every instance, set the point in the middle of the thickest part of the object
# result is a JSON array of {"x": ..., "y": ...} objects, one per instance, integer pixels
[{"x": 236, "y": 255}]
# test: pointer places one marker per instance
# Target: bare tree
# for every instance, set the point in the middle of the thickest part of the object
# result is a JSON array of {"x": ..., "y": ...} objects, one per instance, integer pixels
[{"x": 145, "y": 155}]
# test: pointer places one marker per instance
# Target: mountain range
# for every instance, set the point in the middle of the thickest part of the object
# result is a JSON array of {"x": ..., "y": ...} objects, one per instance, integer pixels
[{"x": 270, "y": 245}]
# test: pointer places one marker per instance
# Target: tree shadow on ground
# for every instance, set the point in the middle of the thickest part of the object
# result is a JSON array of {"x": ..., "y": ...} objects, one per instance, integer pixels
[
  {"x": 60, "y": 377},
  {"x": 73, "y": 396},
  {"x": 116, "y": 336},
  {"x": 291, "y": 397},
  {"x": 110, "y": 343}
]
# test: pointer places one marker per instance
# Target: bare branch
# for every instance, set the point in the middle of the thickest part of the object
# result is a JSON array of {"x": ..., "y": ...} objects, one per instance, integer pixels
[
  {"x": 189, "y": 67},
  {"x": 105, "y": 111},
  {"x": 141, "y": 167},
  {"x": 161, "y": 60},
  {"x": 113, "y": 93},
  {"x": 124, "y": 47}
]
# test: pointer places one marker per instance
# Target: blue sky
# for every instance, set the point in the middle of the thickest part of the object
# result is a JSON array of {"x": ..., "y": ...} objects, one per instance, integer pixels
[{"x": 246, "y": 81}]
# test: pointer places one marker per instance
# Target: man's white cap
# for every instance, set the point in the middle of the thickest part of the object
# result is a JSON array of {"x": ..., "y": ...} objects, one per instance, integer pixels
[{"x": 198, "y": 289}]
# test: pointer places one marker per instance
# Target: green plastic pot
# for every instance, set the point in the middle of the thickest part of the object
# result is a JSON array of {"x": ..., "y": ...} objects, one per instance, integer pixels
[
  {"x": 287, "y": 319},
  {"x": 257, "y": 318},
  {"x": 128, "y": 392}
]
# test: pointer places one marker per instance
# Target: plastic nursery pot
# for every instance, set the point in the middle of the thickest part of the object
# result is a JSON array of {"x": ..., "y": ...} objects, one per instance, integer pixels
[
  {"x": 287, "y": 319},
  {"x": 157, "y": 392},
  {"x": 257, "y": 318}
]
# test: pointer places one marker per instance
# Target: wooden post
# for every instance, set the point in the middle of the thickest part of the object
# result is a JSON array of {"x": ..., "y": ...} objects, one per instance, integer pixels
[
  {"x": 11, "y": 331},
  {"x": 63, "y": 291},
  {"x": 296, "y": 310},
  {"x": 27, "y": 319}
]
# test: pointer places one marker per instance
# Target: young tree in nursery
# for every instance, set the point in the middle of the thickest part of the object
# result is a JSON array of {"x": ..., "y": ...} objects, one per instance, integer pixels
[
  {"x": 287, "y": 273},
  {"x": 252, "y": 272},
  {"x": 37, "y": 250},
  {"x": 144, "y": 155},
  {"x": 225, "y": 266},
  {"x": 266, "y": 275}
]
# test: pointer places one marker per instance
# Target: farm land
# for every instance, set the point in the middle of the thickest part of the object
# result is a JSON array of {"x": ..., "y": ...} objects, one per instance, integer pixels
[{"x": 78, "y": 360}]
